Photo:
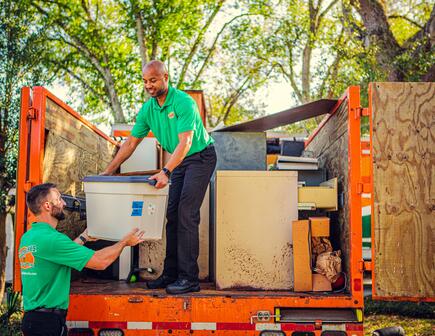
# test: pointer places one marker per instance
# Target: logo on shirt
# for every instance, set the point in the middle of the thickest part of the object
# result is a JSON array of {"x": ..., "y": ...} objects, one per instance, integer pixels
[
  {"x": 171, "y": 115},
  {"x": 27, "y": 260}
]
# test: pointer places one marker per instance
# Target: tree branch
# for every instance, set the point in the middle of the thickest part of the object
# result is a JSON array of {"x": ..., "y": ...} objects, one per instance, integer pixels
[
  {"x": 234, "y": 97},
  {"x": 291, "y": 76},
  {"x": 427, "y": 30},
  {"x": 324, "y": 12},
  {"x": 213, "y": 47},
  {"x": 197, "y": 42},
  {"x": 406, "y": 19},
  {"x": 140, "y": 32}
]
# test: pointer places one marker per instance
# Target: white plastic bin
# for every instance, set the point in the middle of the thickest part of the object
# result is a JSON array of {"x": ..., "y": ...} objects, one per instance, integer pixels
[{"x": 117, "y": 204}]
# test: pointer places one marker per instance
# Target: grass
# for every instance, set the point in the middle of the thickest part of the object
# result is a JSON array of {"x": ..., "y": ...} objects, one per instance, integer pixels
[
  {"x": 415, "y": 318},
  {"x": 411, "y": 325}
]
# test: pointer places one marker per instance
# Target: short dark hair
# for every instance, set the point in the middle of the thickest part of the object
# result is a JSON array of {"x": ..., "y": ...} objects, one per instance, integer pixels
[{"x": 36, "y": 195}]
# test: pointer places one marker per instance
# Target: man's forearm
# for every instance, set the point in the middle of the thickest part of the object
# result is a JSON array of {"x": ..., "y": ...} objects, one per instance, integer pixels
[
  {"x": 123, "y": 154},
  {"x": 179, "y": 154},
  {"x": 109, "y": 254}
]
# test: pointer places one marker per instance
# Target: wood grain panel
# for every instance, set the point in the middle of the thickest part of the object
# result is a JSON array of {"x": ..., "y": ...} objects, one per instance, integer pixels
[
  {"x": 404, "y": 197},
  {"x": 330, "y": 146}
]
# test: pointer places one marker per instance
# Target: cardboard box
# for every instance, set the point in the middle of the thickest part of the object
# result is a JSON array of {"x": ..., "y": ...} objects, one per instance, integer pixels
[
  {"x": 321, "y": 283},
  {"x": 319, "y": 226},
  {"x": 303, "y": 280}
]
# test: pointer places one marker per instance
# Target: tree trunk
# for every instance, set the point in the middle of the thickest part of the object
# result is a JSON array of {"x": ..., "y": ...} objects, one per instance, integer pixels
[
  {"x": 2, "y": 254},
  {"x": 380, "y": 35},
  {"x": 306, "y": 78},
  {"x": 113, "y": 95},
  {"x": 140, "y": 31}
]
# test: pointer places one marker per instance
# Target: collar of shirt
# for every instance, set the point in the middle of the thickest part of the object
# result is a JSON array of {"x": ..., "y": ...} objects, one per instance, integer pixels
[
  {"x": 42, "y": 225},
  {"x": 168, "y": 101}
]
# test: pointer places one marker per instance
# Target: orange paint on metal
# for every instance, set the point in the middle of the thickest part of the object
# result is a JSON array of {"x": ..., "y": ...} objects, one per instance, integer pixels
[
  {"x": 354, "y": 164},
  {"x": 21, "y": 183}
]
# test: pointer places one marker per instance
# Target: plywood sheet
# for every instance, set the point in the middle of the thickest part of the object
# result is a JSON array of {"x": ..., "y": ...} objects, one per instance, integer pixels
[
  {"x": 404, "y": 188},
  {"x": 254, "y": 214},
  {"x": 330, "y": 146}
]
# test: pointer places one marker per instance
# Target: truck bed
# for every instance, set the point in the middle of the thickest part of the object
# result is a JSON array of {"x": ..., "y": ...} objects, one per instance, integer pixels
[{"x": 111, "y": 287}]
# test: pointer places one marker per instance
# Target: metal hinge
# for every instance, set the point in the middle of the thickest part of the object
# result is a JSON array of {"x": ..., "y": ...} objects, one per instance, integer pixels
[
  {"x": 362, "y": 188},
  {"x": 361, "y": 112},
  {"x": 32, "y": 113}
]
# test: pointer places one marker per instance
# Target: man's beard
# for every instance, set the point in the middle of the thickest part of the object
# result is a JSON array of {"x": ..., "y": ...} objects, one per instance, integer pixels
[{"x": 58, "y": 213}]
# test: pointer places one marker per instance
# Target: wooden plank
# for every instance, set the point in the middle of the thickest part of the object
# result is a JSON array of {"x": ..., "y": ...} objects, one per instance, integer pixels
[
  {"x": 404, "y": 180},
  {"x": 330, "y": 146}
]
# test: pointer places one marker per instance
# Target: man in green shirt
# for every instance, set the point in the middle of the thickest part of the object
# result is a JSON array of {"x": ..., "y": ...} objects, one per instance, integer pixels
[
  {"x": 46, "y": 258},
  {"x": 173, "y": 117}
]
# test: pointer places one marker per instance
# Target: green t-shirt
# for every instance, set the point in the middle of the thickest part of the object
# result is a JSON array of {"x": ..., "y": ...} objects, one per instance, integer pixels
[
  {"x": 46, "y": 258},
  {"x": 178, "y": 114}
]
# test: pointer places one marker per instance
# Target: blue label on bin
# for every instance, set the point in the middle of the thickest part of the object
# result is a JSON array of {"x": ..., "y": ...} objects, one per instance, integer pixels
[
  {"x": 137, "y": 204},
  {"x": 137, "y": 207},
  {"x": 136, "y": 212}
]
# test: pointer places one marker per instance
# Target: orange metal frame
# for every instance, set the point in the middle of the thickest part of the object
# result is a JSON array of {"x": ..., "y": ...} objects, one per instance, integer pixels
[{"x": 199, "y": 308}]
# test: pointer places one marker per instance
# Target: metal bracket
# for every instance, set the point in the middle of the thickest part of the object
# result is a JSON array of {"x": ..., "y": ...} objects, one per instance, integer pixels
[
  {"x": 32, "y": 113},
  {"x": 361, "y": 112},
  {"x": 362, "y": 188}
]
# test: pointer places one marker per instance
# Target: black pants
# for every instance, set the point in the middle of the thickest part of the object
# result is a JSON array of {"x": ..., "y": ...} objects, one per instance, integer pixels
[
  {"x": 43, "y": 324},
  {"x": 189, "y": 183}
]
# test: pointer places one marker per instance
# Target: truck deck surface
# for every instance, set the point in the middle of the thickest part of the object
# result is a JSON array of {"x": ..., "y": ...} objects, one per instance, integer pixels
[{"x": 111, "y": 287}]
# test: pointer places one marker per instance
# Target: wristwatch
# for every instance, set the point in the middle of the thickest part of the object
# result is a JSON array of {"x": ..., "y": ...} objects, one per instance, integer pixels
[{"x": 167, "y": 172}]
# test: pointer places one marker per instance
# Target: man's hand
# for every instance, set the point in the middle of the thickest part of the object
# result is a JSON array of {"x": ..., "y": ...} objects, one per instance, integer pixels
[
  {"x": 84, "y": 238},
  {"x": 133, "y": 238},
  {"x": 161, "y": 178},
  {"x": 88, "y": 237}
]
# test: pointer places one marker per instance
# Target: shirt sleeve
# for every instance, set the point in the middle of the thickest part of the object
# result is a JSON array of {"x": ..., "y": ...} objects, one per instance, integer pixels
[
  {"x": 64, "y": 251},
  {"x": 186, "y": 112},
  {"x": 141, "y": 127}
]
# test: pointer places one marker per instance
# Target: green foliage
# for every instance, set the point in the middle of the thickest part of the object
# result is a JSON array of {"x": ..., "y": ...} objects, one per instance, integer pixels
[
  {"x": 9, "y": 313},
  {"x": 21, "y": 47}
]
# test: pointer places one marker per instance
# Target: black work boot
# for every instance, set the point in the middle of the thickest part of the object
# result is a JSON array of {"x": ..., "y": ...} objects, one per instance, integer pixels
[
  {"x": 161, "y": 282},
  {"x": 183, "y": 286}
]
